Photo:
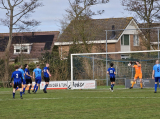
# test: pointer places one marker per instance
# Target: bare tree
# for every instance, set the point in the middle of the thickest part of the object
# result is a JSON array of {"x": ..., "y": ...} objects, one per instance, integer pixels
[
  {"x": 79, "y": 27},
  {"x": 17, "y": 13},
  {"x": 77, "y": 23},
  {"x": 147, "y": 11}
]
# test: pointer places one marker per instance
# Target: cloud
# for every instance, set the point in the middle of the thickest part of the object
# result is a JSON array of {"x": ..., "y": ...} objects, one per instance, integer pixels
[{"x": 53, "y": 10}]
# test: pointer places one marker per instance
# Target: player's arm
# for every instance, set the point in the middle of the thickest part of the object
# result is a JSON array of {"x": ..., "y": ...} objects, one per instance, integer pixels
[
  {"x": 28, "y": 74},
  {"x": 48, "y": 72},
  {"x": 139, "y": 65},
  {"x": 153, "y": 74}
]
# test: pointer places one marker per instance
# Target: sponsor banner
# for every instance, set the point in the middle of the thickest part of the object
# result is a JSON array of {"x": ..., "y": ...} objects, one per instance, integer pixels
[
  {"x": 54, "y": 85},
  {"x": 146, "y": 83},
  {"x": 90, "y": 84}
]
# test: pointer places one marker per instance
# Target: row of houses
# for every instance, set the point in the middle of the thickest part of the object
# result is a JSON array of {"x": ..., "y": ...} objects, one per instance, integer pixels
[{"x": 33, "y": 44}]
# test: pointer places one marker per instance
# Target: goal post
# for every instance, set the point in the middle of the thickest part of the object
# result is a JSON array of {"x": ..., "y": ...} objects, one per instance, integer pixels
[{"x": 83, "y": 65}]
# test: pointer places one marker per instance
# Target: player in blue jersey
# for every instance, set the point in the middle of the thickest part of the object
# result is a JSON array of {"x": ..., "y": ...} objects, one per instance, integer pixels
[
  {"x": 24, "y": 81},
  {"x": 17, "y": 77},
  {"x": 28, "y": 77},
  {"x": 37, "y": 75},
  {"x": 156, "y": 74},
  {"x": 46, "y": 77},
  {"x": 111, "y": 72}
]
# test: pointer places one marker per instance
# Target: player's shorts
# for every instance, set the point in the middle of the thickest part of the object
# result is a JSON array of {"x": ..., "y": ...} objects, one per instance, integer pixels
[
  {"x": 138, "y": 75},
  {"x": 19, "y": 84},
  {"x": 28, "y": 81},
  {"x": 38, "y": 80},
  {"x": 46, "y": 79},
  {"x": 112, "y": 79},
  {"x": 157, "y": 79},
  {"x": 24, "y": 81}
]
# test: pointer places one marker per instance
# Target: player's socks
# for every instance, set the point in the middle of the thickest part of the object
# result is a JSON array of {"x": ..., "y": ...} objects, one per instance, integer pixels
[
  {"x": 46, "y": 86},
  {"x": 111, "y": 86},
  {"x": 159, "y": 85},
  {"x": 13, "y": 95},
  {"x": 21, "y": 94},
  {"x": 17, "y": 88},
  {"x": 155, "y": 87},
  {"x": 36, "y": 89},
  {"x": 24, "y": 90},
  {"x": 141, "y": 85},
  {"x": 133, "y": 84},
  {"x": 30, "y": 87},
  {"x": 35, "y": 86}
]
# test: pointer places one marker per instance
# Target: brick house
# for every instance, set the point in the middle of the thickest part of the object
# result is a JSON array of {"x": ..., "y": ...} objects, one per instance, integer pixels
[
  {"x": 117, "y": 41},
  {"x": 29, "y": 44}
]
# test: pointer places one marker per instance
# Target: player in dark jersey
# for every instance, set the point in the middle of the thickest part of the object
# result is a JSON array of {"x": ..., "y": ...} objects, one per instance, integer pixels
[
  {"x": 37, "y": 75},
  {"x": 28, "y": 77},
  {"x": 111, "y": 72},
  {"x": 46, "y": 77},
  {"x": 18, "y": 79}
]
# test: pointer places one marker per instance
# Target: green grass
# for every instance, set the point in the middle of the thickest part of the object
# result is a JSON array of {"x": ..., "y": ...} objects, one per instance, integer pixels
[{"x": 82, "y": 104}]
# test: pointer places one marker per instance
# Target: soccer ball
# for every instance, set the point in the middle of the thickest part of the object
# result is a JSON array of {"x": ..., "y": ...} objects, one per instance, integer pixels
[{"x": 129, "y": 64}]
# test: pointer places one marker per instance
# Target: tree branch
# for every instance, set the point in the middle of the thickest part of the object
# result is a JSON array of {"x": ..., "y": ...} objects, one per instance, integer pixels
[{"x": 4, "y": 6}]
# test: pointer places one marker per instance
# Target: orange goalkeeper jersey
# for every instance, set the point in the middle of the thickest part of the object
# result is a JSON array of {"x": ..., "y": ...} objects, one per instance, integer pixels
[{"x": 138, "y": 69}]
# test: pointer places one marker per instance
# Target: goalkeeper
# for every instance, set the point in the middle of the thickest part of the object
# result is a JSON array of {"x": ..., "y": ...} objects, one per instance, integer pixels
[{"x": 138, "y": 73}]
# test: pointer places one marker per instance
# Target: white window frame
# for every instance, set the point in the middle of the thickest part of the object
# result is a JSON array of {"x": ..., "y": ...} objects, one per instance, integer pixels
[
  {"x": 21, "y": 48},
  {"x": 137, "y": 41}
]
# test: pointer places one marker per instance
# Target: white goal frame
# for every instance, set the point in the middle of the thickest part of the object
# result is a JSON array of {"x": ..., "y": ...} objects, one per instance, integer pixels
[{"x": 104, "y": 53}]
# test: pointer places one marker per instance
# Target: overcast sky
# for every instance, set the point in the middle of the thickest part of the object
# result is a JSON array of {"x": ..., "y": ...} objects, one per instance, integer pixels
[{"x": 53, "y": 10}]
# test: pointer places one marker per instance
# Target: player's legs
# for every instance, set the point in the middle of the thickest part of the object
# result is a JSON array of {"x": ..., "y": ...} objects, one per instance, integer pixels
[
  {"x": 46, "y": 84},
  {"x": 159, "y": 82},
  {"x": 112, "y": 83},
  {"x": 38, "y": 83},
  {"x": 141, "y": 83},
  {"x": 14, "y": 90},
  {"x": 20, "y": 88},
  {"x": 24, "y": 86},
  {"x": 135, "y": 78},
  {"x": 155, "y": 85},
  {"x": 140, "y": 79},
  {"x": 30, "y": 82}
]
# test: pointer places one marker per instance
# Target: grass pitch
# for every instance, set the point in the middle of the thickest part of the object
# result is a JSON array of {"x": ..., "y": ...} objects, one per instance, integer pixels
[{"x": 82, "y": 104}]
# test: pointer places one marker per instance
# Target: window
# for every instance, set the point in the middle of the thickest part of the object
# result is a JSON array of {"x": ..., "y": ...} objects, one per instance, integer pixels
[
  {"x": 17, "y": 50},
  {"x": 135, "y": 40},
  {"x": 125, "y": 40},
  {"x": 22, "y": 48},
  {"x": 125, "y": 56}
]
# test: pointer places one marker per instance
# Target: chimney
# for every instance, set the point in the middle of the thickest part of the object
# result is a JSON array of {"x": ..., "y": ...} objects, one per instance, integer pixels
[{"x": 113, "y": 33}]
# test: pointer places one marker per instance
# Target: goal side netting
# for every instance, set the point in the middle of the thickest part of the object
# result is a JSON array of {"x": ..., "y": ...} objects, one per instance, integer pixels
[{"x": 92, "y": 67}]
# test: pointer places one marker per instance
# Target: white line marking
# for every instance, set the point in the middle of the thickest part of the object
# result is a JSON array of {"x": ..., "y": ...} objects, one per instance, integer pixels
[{"x": 82, "y": 98}]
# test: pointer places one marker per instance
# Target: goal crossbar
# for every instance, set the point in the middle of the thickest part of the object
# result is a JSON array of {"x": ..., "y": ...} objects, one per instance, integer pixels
[{"x": 103, "y": 53}]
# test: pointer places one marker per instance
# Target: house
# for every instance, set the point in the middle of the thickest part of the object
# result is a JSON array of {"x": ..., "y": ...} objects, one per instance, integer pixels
[
  {"x": 117, "y": 41},
  {"x": 29, "y": 44}
]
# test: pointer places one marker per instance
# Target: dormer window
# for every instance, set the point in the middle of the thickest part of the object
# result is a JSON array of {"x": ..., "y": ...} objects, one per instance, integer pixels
[{"x": 22, "y": 48}]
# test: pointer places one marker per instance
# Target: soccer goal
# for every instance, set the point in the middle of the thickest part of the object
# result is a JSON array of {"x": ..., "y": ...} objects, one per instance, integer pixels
[{"x": 90, "y": 67}]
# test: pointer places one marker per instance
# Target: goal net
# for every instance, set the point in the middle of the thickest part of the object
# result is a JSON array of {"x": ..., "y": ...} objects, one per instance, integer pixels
[{"x": 93, "y": 66}]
